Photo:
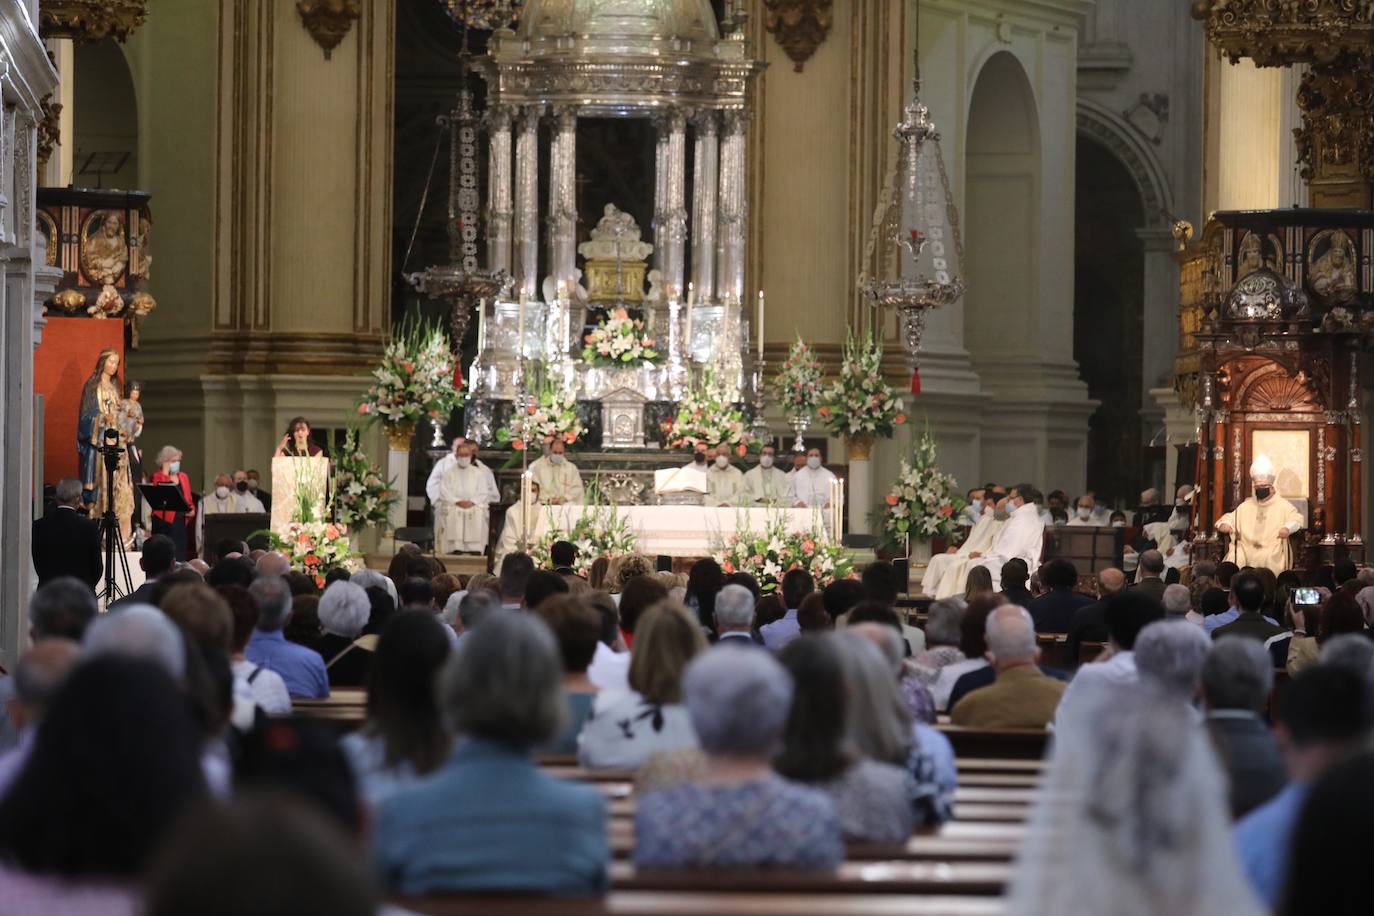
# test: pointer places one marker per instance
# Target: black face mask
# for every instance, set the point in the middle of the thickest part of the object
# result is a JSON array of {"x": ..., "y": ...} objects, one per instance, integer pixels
[
  {"x": 241, "y": 486},
  {"x": 699, "y": 458},
  {"x": 1262, "y": 492}
]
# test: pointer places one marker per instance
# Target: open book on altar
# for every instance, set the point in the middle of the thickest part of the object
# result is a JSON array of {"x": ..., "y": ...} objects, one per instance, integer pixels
[
  {"x": 678, "y": 480},
  {"x": 299, "y": 489}
]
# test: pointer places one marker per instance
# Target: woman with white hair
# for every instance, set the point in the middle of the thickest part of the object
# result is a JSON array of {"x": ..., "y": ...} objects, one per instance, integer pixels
[
  {"x": 490, "y": 820},
  {"x": 738, "y": 812},
  {"x": 344, "y": 610},
  {"x": 173, "y": 524},
  {"x": 368, "y": 578},
  {"x": 1133, "y": 822}
]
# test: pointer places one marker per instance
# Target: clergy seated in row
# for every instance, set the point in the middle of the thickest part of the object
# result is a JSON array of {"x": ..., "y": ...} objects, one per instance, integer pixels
[
  {"x": 462, "y": 497},
  {"x": 231, "y": 495},
  {"x": 1261, "y": 526},
  {"x": 724, "y": 481},
  {"x": 1021, "y": 536},
  {"x": 558, "y": 479},
  {"x": 765, "y": 484}
]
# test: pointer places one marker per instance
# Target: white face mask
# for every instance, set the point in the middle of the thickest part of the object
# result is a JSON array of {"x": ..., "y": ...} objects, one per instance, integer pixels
[
  {"x": 1085, "y": 513},
  {"x": 1118, "y": 524},
  {"x": 765, "y": 461},
  {"x": 722, "y": 462},
  {"x": 813, "y": 461},
  {"x": 989, "y": 509},
  {"x": 464, "y": 461},
  {"x": 556, "y": 457},
  {"x": 252, "y": 485},
  {"x": 222, "y": 491}
]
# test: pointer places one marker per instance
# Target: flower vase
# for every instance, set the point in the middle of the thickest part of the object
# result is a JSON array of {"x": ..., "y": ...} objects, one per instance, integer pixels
[{"x": 365, "y": 539}]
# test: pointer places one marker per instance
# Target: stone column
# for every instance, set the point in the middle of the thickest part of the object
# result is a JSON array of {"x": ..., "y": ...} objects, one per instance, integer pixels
[
  {"x": 563, "y": 197},
  {"x": 860, "y": 497},
  {"x": 499, "y": 207},
  {"x": 705, "y": 169},
  {"x": 527, "y": 204},
  {"x": 1160, "y": 306},
  {"x": 733, "y": 209}
]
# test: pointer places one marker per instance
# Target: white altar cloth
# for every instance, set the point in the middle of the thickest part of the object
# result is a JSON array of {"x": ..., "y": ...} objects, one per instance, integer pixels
[{"x": 675, "y": 531}]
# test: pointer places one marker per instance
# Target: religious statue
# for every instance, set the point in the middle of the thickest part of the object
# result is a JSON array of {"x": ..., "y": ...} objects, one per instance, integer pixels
[
  {"x": 131, "y": 427},
  {"x": 1261, "y": 526},
  {"x": 104, "y": 252},
  {"x": 101, "y": 405},
  {"x": 1256, "y": 252},
  {"x": 1332, "y": 273},
  {"x": 615, "y": 258}
]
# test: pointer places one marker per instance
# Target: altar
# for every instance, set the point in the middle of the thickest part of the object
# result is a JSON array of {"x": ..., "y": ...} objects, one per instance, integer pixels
[{"x": 674, "y": 531}]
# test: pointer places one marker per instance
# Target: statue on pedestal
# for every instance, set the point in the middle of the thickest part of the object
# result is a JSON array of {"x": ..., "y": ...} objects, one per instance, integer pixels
[{"x": 100, "y": 411}]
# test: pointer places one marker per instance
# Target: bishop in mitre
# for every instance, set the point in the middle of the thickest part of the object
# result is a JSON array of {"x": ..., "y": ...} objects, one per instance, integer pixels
[
  {"x": 559, "y": 480},
  {"x": 1261, "y": 526},
  {"x": 461, "y": 513}
]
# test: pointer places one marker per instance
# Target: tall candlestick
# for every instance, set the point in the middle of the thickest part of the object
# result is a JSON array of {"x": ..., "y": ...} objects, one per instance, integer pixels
[
  {"x": 691, "y": 299},
  {"x": 481, "y": 326},
  {"x": 520, "y": 326},
  {"x": 760, "y": 323}
]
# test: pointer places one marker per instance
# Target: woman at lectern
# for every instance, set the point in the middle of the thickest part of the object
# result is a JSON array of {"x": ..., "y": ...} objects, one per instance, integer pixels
[
  {"x": 296, "y": 443},
  {"x": 173, "y": 524}
]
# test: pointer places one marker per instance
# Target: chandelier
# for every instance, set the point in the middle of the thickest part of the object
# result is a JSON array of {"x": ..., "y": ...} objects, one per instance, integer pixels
[{"x": 914, "y": 251}]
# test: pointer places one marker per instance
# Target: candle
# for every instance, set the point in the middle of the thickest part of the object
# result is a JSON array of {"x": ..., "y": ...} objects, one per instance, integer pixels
[
  {"x": 760, "y": 322},
  {"x": 481, "y": 325},
  {"x": 520, "y": 326},
  {"x": 691, "y": 298}
]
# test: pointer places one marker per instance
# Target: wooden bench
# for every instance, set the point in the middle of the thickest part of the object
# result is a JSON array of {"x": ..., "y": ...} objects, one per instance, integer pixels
[
  {"x": 696, "y": 903},
  {"x": 896, "y": 877},
  {"x": 1089, "y": 651},
  {"x": 1000, "y": 743},
  {"x": 1054, "y": 650}
]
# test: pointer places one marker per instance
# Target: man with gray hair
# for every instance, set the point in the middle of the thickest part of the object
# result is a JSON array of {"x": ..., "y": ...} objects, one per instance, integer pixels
[
  {"x": 734, "y": 616},
  {"x": 474, "y": 608},
  {"x": 1178, "y": 604},
  {"x": 65, "y": 541},
  {"x": 39, "y": 673},
  {"x": 1022, "y": 696},
  {"x": 1150, "y": 581},
  {"x": 1169, "y": 656},
  {"x": 301, "y": 668},
  {"x": 1236, "y": 679},
  {"x": 273, "y": 563},
  {"x": 138, "y": 631}
]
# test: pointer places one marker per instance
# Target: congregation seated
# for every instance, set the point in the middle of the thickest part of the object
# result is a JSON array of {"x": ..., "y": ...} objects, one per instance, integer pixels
[
  {"x": 344, "y": 609},
  {"x": 1248, "y": 593},
  {"x": 1014, "y": 577},
  {"x": 627, "y": 727},
  {"x": 943, "y": 635},
  {"x": 1089, "y": 621},
  {"x": 253, "y": 683},
  {"x": 737, "y": 811},
  {"x": 577, "y": 628},
  {"x": 874, "y": 621},
  {"x": 1022, "y": 695},
  {"x": 704, "y": 582},
  {"x": 1236, "y": 681},
  {"x": 796, "y": 585},
  {"x": 489, "y": 819},
  {"x": 61, "y": 609},
  {"x": 403, "y": 737},
  {"x": 1053, "y": 612},
  {"x": 301, "y": 668},
  {"x": 972, "y": 646},
  {"x": 1126, "y": 614},
  {"x": 542, "y": 586},
  {"x": 733, "y": 616}
]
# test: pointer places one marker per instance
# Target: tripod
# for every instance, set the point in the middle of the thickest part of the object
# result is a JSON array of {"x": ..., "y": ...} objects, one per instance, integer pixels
[{"x": 113, "y": 543}]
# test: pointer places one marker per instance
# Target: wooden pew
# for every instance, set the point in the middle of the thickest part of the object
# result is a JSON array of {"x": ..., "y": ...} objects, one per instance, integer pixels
[
  {"x": 1016, "y": 743},
  {"x": 1053, "y": 650},
  {"x": 696, "y": 903},
  {"x": 1089, "y": 651},
  {"x": 898, "y": 877}
]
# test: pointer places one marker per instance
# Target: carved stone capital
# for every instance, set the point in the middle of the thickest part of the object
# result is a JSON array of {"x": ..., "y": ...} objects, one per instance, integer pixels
[
  {"x": 798, "y": 26},
  {"x": 89, "y": 21},
  {"x": 328, "y": 21}
]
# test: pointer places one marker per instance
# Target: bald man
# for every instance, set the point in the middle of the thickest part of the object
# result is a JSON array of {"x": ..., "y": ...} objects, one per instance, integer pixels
[
  {"x": 1090, "y": 622},
  {"x": 1022, "y": 696}
]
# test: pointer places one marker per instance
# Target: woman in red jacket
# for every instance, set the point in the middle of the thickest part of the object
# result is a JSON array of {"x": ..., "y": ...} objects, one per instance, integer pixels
[{"x": 173, "y": 524}]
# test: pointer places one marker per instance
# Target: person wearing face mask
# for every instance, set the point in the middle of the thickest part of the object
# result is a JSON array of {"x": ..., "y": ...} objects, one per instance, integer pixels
[
  {"x": 945, "y": 574},
  {"x": 699, "y": 460},
  {"x": 173, "y": 524},
  {"x": 436, "y": 473},
  {"x": 724, "y": 481},
  {"x": 243, "y": 494},
  {"x": 223, "y": 500},
  {"x": 973, "y": 512},
  {"x": 255, "y": 487},
  {"x": 1023, "y": 535},
  {"x": 798, "y": 462},
  {"x": 558, "y": 478},
  {"x": 1183, "y": 511},
  {"x": 765, "y": 484},
  {"x": 811, "y": 484},
  {"x": 1085, "y": 512},
  {"x": 461, "y": 514},
  {"x": 1261, "y": 526}
]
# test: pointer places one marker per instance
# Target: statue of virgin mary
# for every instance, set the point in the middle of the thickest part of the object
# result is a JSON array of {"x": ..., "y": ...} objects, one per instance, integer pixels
[{"x": 99, "y": 411}]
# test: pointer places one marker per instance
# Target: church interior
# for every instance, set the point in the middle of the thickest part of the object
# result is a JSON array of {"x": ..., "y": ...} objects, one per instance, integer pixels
[{"x": 673, "y": 456}]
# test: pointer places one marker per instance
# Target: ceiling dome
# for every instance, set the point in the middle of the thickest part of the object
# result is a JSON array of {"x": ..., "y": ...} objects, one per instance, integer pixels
[{"x": 630, "y": 22}]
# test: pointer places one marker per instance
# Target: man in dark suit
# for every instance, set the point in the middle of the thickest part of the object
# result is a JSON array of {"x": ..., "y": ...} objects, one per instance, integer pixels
[
  {"x": 1014, "y": 576},
  {"x": 157, "y": 559},
  {"x": 1053, "y": 611},
  {"x": 65, "y": 541},
  {"x": 1236, "y": 679},
  {"x": 734, "y": 617},
  {"x": 1151, "y": 581},
  {"x": 1090, "y": 621}
]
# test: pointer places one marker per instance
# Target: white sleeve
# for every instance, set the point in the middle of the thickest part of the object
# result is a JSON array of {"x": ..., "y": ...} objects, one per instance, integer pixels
[
  {"x": 493, "y": 495},
  {"x": 435, "y": 477}
]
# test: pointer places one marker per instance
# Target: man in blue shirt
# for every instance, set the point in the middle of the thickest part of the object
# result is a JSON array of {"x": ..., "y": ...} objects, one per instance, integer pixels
[
  {"x": 796, "y": 585},
  {"x": 300, "y": 667},
  {"x": 1323, "y": 716}
]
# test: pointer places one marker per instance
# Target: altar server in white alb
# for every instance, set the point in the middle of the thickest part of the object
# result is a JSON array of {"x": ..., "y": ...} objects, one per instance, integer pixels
[
  {"x": 946, "y": 572},
  {"x": 811, "y": 484},
  {"x": 766, "y": 485},
  {"x": 1023, "y": 535},
  {"x": 443, "y": 464},
  {"x": 724, "y": 481},
  {"x": 1261, "y": 526},
  {"x": 461, "y": 514},
  {"x": 558, "y": 479}
]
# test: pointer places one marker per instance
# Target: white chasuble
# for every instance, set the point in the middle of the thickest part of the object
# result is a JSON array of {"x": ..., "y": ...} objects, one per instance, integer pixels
[
  {"x": 1255, "y": 528},
  {"x": 464, "y": 529}
]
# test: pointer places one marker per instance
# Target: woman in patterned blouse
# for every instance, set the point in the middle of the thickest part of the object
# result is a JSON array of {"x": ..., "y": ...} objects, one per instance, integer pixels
[{"x": 737, "y": 812}]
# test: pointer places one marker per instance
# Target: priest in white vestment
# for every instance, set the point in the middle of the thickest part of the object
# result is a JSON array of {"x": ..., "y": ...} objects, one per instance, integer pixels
[
  {"x": 1261, "y": 526},
  {"x": 811, "y": 484},
  {"x": 766, "y": 485},
  {"x": 1183, "y": 511},
  {"x": 559, "y": 480},
  {"x": 222, "y": 500},
  {"x": 1084, "y": 514},
  {"x": 443, "y": 464},
  {"x": 946, "y": 572},
  {"x": 1023, "y": 536},
  {"x": 724, "y": 481},
  {"x": 461, "y": 513}
]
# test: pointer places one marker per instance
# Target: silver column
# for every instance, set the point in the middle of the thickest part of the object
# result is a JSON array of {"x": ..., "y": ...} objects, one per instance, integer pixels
[
  {"x": 527, "y": 203},
  {"x": 705, "y": 171},
  {"x": 563, "y": 196},
  {"x": 733, "y": 227},
  {"x": 499, "y": 209},
  {"x": 670, "y": 205}
]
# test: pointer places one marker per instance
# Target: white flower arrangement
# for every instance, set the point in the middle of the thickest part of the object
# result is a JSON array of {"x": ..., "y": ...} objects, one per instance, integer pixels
[
  {"x": 860, "y": 402},
  {"x": 924, "y": 501},
  {"x": 599, "y": 532},
  {"x": 770, "y": 555},
  {"x": 799, "y": 381},
  {"x": 362, "y": 496},
  {"x": 705, "y": 416},
  {"x": 417, "y": 378},
  {"x": 620, "y": 341},
  {"x": 552, "y": 416}
]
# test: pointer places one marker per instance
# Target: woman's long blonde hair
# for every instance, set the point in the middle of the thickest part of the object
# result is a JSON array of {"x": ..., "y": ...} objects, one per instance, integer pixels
[{"x": 666, "y": 639}]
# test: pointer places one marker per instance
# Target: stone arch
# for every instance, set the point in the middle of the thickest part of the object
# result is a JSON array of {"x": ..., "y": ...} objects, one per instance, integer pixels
[
  {"x": 106, "y": 113},
  {"x": 1113, "y": 132}
]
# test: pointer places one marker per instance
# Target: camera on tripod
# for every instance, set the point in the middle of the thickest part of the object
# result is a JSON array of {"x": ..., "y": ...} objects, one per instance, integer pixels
[{"x": 111, "y": 450}]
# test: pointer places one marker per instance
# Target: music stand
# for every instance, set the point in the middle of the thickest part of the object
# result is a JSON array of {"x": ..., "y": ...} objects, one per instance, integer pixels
[{"x": 164, "y": 497}]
